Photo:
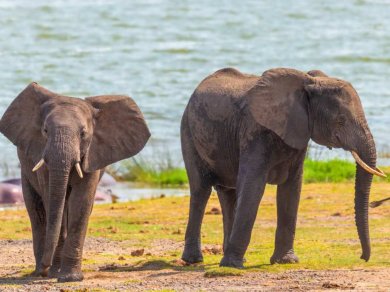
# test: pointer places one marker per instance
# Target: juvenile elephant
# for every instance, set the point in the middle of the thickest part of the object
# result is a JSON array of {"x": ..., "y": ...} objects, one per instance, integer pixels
[
  {"x": 63, "y": 145},
  {"x": 239, "y": 132}
]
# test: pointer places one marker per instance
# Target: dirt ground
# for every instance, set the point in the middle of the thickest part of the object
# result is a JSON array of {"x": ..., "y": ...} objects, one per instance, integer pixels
[{"x": 16, "y": 260}]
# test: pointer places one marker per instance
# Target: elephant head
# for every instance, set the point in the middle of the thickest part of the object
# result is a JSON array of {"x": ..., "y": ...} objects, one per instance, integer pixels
[
  {"x": 299, "y": 106},
  {"x": 70, "y": 134}
]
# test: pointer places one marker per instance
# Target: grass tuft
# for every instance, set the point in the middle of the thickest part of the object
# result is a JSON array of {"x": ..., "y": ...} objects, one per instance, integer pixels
[
  {"x": 223, "y": 272},
  {"x": 161, "y": 173}
]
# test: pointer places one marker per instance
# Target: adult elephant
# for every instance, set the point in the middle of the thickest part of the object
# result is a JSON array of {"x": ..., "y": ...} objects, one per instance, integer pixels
[
  {"x": 63, "y": 145},
  {"x": 242, "y": 131}
]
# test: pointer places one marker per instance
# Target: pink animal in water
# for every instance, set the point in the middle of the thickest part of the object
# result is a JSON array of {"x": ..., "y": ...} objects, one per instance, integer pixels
[
  {"x": 11, "y": 190},
  {"x": 10, "y": 193}
]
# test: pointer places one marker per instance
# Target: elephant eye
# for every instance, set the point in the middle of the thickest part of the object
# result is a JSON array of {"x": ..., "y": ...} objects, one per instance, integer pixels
[
  {"x": 83, "y": 133},
  {"x": 341, "y": 120}
]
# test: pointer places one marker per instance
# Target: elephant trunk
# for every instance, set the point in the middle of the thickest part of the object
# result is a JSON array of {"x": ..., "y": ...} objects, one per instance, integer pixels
[
  {"x": 362, "y": 193},
  {"x": 58, "y": 184},
  {"x": 60, "y": 158}
]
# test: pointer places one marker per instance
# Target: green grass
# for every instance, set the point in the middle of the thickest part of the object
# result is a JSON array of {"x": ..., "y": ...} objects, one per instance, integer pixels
[
  {"x": 223, "y": 272},
  {"x": 161, "y": 173},
  {"x": 165, "y": 174},
  {"x": 326, "y": 236},
  {"x": 165, "y": 177},
  {"x": 334, "y": 170}
]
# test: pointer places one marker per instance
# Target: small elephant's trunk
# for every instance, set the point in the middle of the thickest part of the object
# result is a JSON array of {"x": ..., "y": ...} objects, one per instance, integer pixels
[
  {"x": 60, "y": 157},
  {"x": 58, "y": 184}
]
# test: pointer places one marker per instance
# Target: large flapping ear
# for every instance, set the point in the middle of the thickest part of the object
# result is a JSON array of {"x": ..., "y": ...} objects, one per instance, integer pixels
[
  {"x": 278, "y": 102},
  {"x": 21, "y": 122},
  {"x": 120, "y": 131}
]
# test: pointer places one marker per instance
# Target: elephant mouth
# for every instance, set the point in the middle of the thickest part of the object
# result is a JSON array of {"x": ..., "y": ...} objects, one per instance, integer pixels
[
  {"x": 373, "y": 171},
  {"x": 367, "y": 168}
]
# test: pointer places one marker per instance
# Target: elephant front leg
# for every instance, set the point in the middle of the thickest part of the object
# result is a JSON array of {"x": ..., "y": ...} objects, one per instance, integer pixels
[
  {"x": 288, "y": 195},
  {"x": 80, "y": 205},
  {"x": 56, "y": 265},
  {"x": 36, "y": 211},
  {"x": 251, "y": 182}
]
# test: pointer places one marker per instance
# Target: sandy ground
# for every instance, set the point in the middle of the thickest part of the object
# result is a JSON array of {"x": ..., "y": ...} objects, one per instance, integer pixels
[{"x": 16, "y": 256}]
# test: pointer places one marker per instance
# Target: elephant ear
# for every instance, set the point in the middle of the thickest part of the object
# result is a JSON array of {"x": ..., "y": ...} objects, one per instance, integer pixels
[
  {"x": 120, "y": 131},
  {"x": 21, "y": 122},
  {"x": 278, "y": 102}
]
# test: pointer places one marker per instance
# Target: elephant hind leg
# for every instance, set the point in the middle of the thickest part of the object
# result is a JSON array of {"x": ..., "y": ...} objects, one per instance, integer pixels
[
  {"x": 200, "y": 190},
  {"x": 200, "y": 180},
  {"x": 228, "y": 200}
]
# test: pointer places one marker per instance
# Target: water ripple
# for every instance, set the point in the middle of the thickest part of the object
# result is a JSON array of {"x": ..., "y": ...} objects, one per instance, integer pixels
[{"x": 158, "y": 51}]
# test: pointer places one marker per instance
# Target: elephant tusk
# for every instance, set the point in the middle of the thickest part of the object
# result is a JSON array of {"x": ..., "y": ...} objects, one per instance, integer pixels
[
  {"x": 359, "y": 161},
  {"x": 79, "y": 171},
  {"x": 38, "y": 165}
]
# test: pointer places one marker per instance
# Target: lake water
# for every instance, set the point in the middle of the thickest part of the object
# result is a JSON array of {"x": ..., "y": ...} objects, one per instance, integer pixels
[{"x": 158, "y": 51}]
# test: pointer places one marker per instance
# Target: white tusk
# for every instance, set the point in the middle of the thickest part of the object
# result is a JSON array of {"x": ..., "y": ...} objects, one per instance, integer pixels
[
  {"x": 38, "y": 165},
  {"x": 79, "y": 171},
  {"x": 376, "y": 171}
]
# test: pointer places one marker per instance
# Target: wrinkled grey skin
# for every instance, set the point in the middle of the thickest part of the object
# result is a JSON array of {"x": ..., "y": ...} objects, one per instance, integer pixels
[
  {"x": 64, "y": 130},
  {"x": 241, "y": 131}
]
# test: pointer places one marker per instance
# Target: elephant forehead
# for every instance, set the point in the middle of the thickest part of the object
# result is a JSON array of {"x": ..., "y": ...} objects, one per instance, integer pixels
[{"x": 66, "y": 105}]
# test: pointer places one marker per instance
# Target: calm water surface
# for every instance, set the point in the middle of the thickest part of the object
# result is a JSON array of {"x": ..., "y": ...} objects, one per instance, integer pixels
[{"x": 158, "y": 51}]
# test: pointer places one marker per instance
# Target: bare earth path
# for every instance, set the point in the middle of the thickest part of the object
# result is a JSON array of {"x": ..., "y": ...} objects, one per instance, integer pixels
[
  {"x": 16, "y": 255},
  {"x": 135, "y": 246}
]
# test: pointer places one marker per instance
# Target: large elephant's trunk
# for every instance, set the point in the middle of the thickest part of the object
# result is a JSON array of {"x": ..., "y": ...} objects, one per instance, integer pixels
[
  {"x": 362, "y": 193},
  {"x": 60, "y": 159}
]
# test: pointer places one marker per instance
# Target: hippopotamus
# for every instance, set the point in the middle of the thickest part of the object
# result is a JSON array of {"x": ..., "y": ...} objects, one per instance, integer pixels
[{"x": 10, "y": 193}]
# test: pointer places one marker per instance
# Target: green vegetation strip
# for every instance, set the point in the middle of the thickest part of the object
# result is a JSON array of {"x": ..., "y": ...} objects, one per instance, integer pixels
[{"x": 334, "y": 170}]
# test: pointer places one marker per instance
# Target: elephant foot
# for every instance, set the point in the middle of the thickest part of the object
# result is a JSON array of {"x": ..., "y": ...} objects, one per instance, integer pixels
[
  {"x": 35, "y": 273},
  {"x": 43, "y": 271},
  {"x": 54, "y": 272},
  {"x": 284, "y": 258},
  {"x": 70, "y": 277},
  {"x": 192, "y": 258},
  {"x": 192, "y": 255},
  {"x": 232, "y": 262}
]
